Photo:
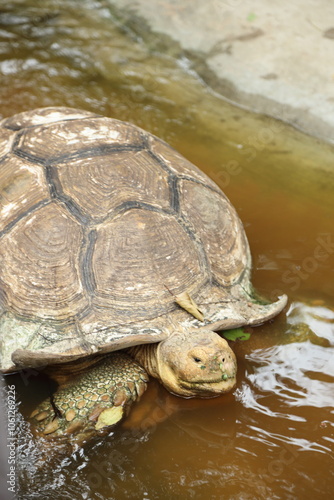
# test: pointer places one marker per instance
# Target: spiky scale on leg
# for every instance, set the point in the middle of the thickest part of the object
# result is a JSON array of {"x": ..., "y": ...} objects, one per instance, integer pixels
[{"x": 93, "y": 401}]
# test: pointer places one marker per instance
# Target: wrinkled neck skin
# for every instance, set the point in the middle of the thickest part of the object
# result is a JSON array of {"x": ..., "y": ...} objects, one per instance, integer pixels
[
  {"x": 190, "y": 363},
  {"x": 147, "y": 357}
]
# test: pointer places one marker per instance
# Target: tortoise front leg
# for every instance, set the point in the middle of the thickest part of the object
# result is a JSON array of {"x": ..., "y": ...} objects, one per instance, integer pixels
[{"x": 91, "y": 403}]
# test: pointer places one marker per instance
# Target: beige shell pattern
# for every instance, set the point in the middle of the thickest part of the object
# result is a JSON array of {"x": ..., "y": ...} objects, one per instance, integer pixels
[{"x": 102, "y": 227}]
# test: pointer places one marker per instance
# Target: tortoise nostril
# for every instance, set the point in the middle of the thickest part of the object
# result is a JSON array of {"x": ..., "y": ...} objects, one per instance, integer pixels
[{"x": 223, "y": 360}]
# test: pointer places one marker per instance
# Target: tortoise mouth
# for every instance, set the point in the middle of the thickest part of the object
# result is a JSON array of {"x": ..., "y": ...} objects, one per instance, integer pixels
[{"x": 209, "y": 388}]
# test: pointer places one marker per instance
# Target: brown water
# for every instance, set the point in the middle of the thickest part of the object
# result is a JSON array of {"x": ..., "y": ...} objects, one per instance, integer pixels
[{"x": 272, "y": 438}]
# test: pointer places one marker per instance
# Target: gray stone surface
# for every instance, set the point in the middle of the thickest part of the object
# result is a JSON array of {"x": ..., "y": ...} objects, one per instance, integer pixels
[{"x": 271, "y": 57}]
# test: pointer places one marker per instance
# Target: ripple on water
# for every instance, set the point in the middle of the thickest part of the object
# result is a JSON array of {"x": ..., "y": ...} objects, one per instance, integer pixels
[{"x": 291, "y": 385}]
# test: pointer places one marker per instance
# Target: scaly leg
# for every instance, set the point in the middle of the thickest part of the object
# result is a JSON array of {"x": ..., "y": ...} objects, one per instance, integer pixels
[{"x": 92, "y": 402}]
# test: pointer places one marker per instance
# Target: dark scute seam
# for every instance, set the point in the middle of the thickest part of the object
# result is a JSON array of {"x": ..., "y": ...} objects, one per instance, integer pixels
[
  {"x": 174, "y": 192},
  {"x": 86, "y": 262},
  {"x": 56, "y": 192},
  {"x": 6, "y": 157},
  {"x": 100, "y": 150},
  {"x": 179, "y": 177},
  {"x": 132, "y": 204},
  {"x": 52, "y": 181},
  {"x": 16, "y": 140},
  {"x": 240, "y": 279},
  {"x": 200, "y": 183},
  {"x": 13, "y": 128},
  {"x": 30, "y": 210},
  {"x": 162, "y": 164},
  {"x": 31, "y": 158},
  {"x": 199, "y": 245},
  {"x": 74, "y": 210}
]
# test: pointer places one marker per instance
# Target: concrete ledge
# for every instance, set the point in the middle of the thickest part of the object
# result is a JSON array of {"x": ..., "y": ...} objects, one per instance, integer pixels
[{"x": 273, "y": 58}]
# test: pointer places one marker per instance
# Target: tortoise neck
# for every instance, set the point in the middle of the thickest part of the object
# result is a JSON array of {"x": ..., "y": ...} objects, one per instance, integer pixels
[{"x": 146, "y": 355}]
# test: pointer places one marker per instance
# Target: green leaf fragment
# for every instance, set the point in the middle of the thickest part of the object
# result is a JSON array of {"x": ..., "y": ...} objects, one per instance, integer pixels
[
  {"x": 236, "y": 334},
  {"x": 251, "y": 16}
]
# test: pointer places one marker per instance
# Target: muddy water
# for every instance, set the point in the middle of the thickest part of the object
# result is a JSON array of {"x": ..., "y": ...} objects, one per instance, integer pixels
[{"x": 272, "y": 438}]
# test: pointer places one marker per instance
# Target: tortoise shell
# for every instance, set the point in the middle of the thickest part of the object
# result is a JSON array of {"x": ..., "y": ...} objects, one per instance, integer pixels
[{"x": 102, "y": 226}]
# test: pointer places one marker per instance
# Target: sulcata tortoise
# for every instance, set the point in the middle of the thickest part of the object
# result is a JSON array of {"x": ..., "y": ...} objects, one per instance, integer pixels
[{"x": 112, "y": 241}]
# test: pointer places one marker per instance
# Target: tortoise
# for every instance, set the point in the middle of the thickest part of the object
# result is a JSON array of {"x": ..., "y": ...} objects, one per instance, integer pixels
[{"x": 119, "y": 259}]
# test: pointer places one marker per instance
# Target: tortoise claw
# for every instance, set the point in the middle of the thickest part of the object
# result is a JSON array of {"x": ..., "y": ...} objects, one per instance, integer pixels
[
  {"x": 141, "y": 387},
  {"x": 52, "y": 426},
  {"x": 41, "y": 416}
]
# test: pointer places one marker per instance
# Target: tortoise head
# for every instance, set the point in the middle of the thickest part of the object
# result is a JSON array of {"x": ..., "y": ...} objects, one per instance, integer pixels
[{"x": 196, "y": 363}]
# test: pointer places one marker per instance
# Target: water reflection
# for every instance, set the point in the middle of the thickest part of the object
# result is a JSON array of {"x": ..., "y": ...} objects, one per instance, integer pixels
[{"x": 285, "y": 371}]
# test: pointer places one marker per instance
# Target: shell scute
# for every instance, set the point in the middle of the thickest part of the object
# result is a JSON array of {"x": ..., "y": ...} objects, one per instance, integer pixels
[
  {"x": 99, "y": 185},
  {"x": 43, "y": 116},
  {"x": 220, "y": 230},
  {"x": 177, "y": 163},
  {"x": 7, "y": 138},
  {"x": 39, "y": 265},
  {"x": 22, "y": 187},
  {"x": 138, "y": 257},
  {"x": 86, "y": 137}
]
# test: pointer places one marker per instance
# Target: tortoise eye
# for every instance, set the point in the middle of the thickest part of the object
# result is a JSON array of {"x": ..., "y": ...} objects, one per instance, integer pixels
[{"x": 197, "y": 360}]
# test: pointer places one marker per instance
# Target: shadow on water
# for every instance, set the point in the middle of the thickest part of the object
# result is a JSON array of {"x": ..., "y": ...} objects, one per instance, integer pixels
[{"x": 273, "y": 437}]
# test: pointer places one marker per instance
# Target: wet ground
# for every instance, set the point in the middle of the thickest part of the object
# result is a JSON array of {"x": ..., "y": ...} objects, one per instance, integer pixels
[
  {"x": 273, "y": 436},
  {"x": 272, "y": 57}
]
